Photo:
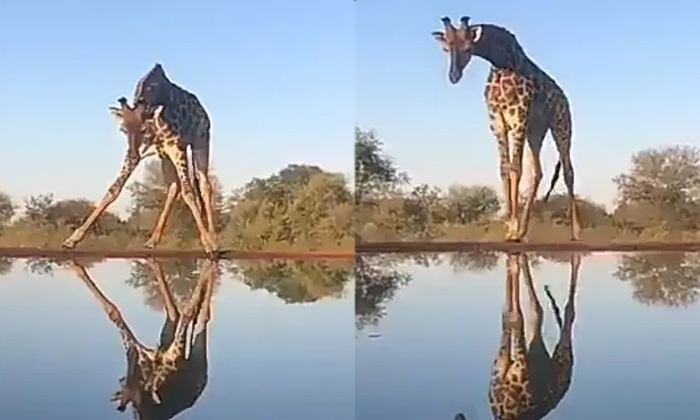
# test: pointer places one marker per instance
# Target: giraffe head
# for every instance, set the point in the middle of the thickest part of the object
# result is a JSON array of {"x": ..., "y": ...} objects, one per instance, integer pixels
[
  {"x": 459, "y": 44},
  {"x": 152, "y": 88},
  {"x": 131, "y": 123}
]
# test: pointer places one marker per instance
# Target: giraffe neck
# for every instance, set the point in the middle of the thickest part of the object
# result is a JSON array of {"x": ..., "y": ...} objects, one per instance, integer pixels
[{"x": 499, "y": 47}]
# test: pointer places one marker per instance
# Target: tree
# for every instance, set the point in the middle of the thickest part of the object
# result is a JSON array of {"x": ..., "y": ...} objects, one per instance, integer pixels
[
  {"x": 375, "y": 172},
  {"x": 300, "y": 206},
  {"x": 43, "y": 212},
  {"x": 468, "y": 204},
  {"x": 7, "y": 210},
  {"x": 148, "y": 198},
  {"x": 665, "y": 180},
  {"x": 425, "y": 210},
  {"x": 556, "y": 210}
]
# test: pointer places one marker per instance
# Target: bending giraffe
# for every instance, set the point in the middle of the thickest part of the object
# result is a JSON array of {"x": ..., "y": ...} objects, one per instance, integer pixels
[
  {"x": 527, "y": 382},
  {"x": 523, "y": 104},
  {"x": 164, "y": 381},
  {"x": 165, "y": 120}
]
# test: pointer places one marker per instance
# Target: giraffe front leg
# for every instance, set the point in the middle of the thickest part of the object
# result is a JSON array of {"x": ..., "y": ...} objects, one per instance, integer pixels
[
  {"x": 170, "y": 176},
  {"x": 537, "y": 314},
  {"x": 171, "y": 308},
  {"x": 516, "y": 140},
  {"x": 499, "y": 131},
  {"x": 178, "y": 156},
  {"x": 561, "y": 132},
  {"x": 130, "y": 163},
  {"x": 109, "y": 307}
]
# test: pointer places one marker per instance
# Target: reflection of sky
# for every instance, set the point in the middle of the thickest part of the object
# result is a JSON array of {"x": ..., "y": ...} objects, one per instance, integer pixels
[
  {"x": 442, "y": 331},
  {"x": 267, "y": 360}
]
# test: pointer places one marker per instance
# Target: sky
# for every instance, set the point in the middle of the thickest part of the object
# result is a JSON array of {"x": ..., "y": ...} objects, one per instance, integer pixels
[
  {"x": 276, "y": 77},
  {"x": 622, "y": 64},
  {"x": 286, "y": 81}
]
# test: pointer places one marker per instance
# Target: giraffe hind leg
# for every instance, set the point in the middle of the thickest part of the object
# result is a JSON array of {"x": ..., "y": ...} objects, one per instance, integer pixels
[
  {"x": 563, "y": 356},
  {"x": 179, "y": 158},
  {"x": 561, "y": 131},
  {"x": 536, "y": 133}
]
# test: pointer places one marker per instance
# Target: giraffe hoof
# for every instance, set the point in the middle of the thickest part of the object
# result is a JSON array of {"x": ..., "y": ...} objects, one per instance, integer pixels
[
  {"x": 149, "y": 244},
  {"x": 68, "y": 244},
  {"x": 212, "y": 254}
]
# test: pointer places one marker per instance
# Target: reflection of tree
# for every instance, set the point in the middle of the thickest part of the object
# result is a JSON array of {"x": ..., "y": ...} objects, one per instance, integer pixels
[
  {"x": 474, "y": 262},
  {"x": 662, "y": 279},
  {"x": 46, "y": 266},
  {"x": 295, "y": 281},
  {"x": 376, "y": 283},
  {"x": 180, "y": 274},
  {"x": 424, "y": 259},
  {"x": 5, "y": 265}
]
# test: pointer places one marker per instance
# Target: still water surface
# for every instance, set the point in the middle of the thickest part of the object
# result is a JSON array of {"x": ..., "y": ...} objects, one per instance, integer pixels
[
  {"x": 428, "y": 333},
  {"x": 279, "y": 343}
]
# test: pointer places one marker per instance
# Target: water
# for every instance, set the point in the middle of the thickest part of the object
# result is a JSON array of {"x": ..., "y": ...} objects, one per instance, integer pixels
[
  {"x": 428, "y": 332},
  {"x": 280, "y": 338}
]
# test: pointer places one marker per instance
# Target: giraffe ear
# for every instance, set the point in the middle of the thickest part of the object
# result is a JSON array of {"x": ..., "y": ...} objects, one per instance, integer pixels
[
  {"x": 116, "y": 112},
  {"x": 475, "y": 33},
  {"x": 439, "y": 36}
]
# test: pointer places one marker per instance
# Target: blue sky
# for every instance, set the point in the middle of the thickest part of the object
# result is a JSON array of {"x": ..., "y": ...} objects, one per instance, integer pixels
[
  {"x": 627, "y": 68},
  {"x": 276, "y": 76},
  {"x": 285, "y": 81}
]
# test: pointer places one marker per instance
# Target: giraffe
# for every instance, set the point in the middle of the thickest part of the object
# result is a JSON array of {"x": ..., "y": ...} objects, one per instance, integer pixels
[
  {"x": 165, "y": 120},
  {"x": 526, "y": 381},
  {"x": 164, "y": 381},
  {"x": 523, "y": 104}
]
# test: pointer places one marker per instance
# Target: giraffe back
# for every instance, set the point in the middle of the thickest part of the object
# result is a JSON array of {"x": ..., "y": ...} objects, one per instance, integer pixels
[
  {"x": 516, "y": 80},
  {"x": 182, "y": 109}
]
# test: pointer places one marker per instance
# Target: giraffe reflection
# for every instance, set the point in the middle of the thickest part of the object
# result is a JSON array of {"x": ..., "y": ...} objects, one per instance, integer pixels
[
  {"x": 164, "y": 381},
  {"x": 527, "y": 382}
]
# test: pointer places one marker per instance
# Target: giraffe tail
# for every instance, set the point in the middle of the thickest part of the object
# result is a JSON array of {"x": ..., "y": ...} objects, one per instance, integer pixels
[
  {"x": 555, "y": 307},
  {"x": 553, "y": 183}
]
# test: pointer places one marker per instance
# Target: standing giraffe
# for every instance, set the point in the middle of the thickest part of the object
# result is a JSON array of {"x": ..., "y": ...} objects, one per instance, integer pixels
[
  {"x": 526, "y": 381},
  {"x": 523, "y": 104},
  {"x": 165, "y": 120},
  {"x": 164, "y": 381}
]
